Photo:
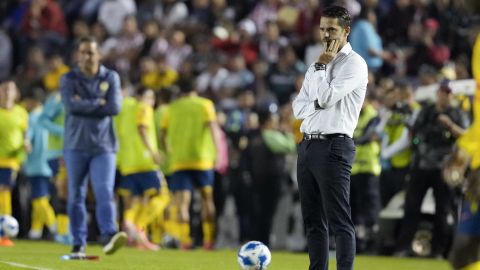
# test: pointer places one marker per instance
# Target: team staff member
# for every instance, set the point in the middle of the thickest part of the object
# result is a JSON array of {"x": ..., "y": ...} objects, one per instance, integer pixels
[
  {"x": 434, "y": 133},
  {"x": 364, "y": 188},
  {"x": 13, "y": 127},
  {"x": 329, "y": 103},
  {"x": 91, "y": 96},
  {"x": 190, "y": 135}
]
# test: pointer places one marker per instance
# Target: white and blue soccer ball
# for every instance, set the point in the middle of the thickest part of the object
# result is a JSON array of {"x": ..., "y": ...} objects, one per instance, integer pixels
[
  {"x": 8, "y": 226},
  {"x": 254, "y": 255}
]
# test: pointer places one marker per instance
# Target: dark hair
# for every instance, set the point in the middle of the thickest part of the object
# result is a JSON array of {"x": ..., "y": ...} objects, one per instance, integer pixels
[
  {"x": 340, "y": 13},
  {"x": 53, "y": 55},
  {"x": 88, "y": 39},
  {"x": 402, "y": 85},
  {"x": 364, "y": 12},
  {"x": 141, "y": 90},
  {"x": 35, "y": 93},
  {"x": 263, "y": 117},
  {"x": 7, "y": 79},
  {"x": 166, "y": 94},
  {"x": 285, "y": 49},
  {"x": 185, "y": 85},
  {"x": 445, "y": 87}
]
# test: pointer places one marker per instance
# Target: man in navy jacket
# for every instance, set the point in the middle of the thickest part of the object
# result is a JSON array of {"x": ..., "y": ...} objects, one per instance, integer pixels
[{"x": 91, "y": 96}]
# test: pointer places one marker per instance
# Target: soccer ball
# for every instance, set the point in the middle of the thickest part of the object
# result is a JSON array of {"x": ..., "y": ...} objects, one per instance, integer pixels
[
  {"x": 254, "y": 255},
  {"x": 8, "y": 226}
]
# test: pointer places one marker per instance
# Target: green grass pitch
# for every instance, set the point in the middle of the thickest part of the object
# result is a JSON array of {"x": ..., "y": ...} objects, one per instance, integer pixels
[{"x": 46, "y": 256}]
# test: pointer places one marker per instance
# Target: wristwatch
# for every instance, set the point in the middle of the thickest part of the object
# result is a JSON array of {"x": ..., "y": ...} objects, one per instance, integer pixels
[{"x": 320, "y": 66}]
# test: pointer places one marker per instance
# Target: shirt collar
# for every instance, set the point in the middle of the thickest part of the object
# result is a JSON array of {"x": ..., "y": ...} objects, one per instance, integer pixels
[
  {"x": 347, "y": 48},
  {"x": 101, "y": 72}
]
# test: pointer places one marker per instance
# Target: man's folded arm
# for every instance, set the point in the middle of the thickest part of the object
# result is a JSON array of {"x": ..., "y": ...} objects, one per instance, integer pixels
[
  {"x": 303, "y": 106},
  {"x": 350, "y": 77},
  {"x": 86, "y": 107}
]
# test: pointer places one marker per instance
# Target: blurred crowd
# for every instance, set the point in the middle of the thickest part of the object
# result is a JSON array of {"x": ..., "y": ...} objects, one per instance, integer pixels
[{"x": 250, "y": 57}]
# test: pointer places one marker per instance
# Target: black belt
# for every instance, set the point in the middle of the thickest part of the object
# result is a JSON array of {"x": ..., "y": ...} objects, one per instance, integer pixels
[{"x": 323, "y": 137}]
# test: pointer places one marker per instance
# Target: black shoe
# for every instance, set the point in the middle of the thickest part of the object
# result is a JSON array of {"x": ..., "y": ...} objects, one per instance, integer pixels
[
  {"x": 436, "y": 256},
  {"x": 403, "y": 254},
  {"x": 115, "y": 242},
  {"x": 78, "y": 251}
]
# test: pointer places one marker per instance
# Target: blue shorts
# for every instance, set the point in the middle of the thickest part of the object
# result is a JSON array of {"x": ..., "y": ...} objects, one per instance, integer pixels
[
  {"x": 40, "y": 186},
  {"x": 54, "y": 165},
  {"x": 469, "y": 223},
  {"x": 190, "y": 179},
  {"x": 118, "y": 180},
  {"x": 168, "y": 180},
  {"x": 139, "y": 184},
  {"x": 7, "y": 177}
]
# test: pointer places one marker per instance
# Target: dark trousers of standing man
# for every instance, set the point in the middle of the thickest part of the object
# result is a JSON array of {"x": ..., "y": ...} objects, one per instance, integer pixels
[
  {"x": 365, "y": 203},
  {"x": 323, "y": 172},
  {"x": 420, "y": 182},
  {"x": 266, "y": 194},
  {"x": 392, "y": 181}
]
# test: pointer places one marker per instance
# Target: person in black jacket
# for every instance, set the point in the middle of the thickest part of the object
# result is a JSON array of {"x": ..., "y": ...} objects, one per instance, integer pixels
[
  {"x": 267, "y": 149},
  {"x": 434, "y": 133}
]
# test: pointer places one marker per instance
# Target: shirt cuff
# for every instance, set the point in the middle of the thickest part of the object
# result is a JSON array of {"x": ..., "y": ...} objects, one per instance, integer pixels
[
  {"x": 311, "y": 109},
  {"x": 319, "y": 74}
]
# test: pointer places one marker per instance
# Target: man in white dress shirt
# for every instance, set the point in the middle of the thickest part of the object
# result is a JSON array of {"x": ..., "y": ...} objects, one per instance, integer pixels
[{"x": 329, "y": 104}]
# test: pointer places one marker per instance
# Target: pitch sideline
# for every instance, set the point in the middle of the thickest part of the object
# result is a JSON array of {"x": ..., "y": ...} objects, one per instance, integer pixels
[{"x": 19, "y": 265}]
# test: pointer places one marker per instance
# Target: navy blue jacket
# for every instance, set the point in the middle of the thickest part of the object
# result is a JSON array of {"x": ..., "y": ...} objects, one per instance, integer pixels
[{"x": 88, "y": 124}]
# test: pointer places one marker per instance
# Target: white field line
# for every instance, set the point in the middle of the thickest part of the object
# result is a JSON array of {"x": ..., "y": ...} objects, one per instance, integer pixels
[{"x": 19, "y": 265}]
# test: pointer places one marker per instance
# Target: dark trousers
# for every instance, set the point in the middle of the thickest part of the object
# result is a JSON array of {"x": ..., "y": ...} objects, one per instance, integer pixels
[
  {"x": 365, "y": 202},
  {"x": 266, "y": 194},
  {"x": 420, "y": 182},
  {"x": 241, "y": 188},
  {"x": 324, "y": 168},
  {"x": 392, "y": 181},
  {"x": 365, "y": 199}
]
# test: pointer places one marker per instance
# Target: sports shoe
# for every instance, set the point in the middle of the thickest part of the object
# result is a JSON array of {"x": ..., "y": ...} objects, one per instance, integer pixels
[
  {"x": 405, "y": 253},
  {"x": 6, "y": 242},
  {"x": 34, "y": 235},
  {"x": 65, "y": 239},
  {"x": 144, "y": 243},
  {"x": 78, "y": 251},
  {"x": 209, "y": 246},
  {"x": 115, "y": 242},
  {"x": 170, "y": 242},
  {"x": 186, "y": 246}
]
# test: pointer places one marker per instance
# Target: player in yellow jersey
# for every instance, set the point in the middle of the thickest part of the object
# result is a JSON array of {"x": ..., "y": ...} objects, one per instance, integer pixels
[
  {"x": 190, "y": 133},
  {"x": 13, "y": 127},
  {"x": 165, "y": 230},
  {"x": 139, "y": 166},
  {"x": 465, "y": 254},
  {"x": 128, "y": 104}
]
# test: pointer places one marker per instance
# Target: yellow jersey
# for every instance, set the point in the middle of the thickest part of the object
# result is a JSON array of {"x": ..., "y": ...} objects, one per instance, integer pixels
[{"x": 13, "y": 125}]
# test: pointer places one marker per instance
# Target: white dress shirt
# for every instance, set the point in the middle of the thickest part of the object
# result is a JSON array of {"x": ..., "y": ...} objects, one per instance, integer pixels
[{"x": 340, "y": 90}]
